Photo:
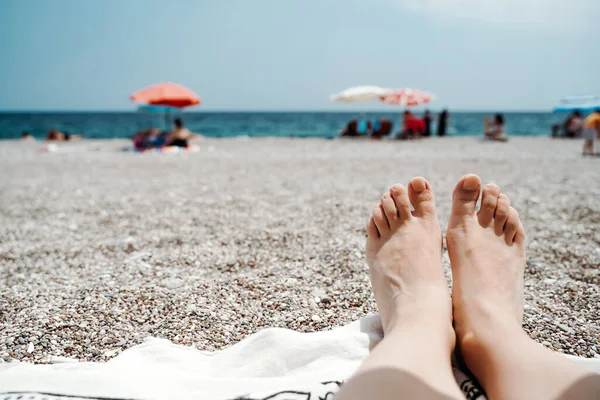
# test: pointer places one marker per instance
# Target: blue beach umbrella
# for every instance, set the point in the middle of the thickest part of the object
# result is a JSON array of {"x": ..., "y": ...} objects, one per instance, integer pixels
[
  {"x": 166, "y": 110},
  {"x": 581, "y": 103}
]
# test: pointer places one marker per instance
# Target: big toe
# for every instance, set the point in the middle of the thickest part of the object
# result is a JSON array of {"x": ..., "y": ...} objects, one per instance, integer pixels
[
  {"x": 465, "y": 195},
  {"x": 421, "y": 197}
]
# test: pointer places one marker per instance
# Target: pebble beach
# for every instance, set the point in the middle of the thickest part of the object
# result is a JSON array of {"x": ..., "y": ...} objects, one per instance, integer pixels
[{"x": 100, "y": 248}]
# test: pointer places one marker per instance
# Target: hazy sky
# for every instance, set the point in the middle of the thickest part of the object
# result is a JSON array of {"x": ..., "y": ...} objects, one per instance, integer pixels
[{"x": 290, "y": 55}]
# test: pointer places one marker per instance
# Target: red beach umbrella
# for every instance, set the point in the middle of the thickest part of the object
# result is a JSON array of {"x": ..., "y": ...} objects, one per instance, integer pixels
[
  {"x": 166, "y": 94},
  {"x": 408, "y": 97}
]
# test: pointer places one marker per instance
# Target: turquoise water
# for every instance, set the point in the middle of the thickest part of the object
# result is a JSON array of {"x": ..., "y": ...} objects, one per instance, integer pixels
[{"x": 106, "y": 125}]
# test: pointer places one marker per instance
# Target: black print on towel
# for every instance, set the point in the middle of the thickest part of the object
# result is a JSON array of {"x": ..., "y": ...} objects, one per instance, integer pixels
[
  {"x": 324, "y": 391},
  {"x": 471, "y": 391}
]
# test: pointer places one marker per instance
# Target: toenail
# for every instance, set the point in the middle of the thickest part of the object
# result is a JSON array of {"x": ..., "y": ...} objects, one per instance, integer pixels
[
  {"x": 418, "y": 184},
  {"x": 398, "y": 188},
  {"x": 471, "y": 182}
]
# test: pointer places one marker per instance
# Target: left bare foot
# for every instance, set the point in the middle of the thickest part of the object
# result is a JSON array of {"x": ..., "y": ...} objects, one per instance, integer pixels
[{"x": 404, "y": 251}]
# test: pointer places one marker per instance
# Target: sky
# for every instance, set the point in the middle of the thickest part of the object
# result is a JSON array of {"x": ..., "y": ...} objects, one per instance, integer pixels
[{"x": 292, "y": 55}]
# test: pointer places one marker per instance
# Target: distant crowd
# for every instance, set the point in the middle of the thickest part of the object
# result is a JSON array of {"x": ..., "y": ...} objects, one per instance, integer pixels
[
  {"x": 415, "y": 127},
  {"x": 411, "y": 127}
]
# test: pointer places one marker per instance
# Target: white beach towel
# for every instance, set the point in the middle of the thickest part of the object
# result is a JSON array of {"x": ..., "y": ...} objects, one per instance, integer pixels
[{"x": 273, "y": 364}]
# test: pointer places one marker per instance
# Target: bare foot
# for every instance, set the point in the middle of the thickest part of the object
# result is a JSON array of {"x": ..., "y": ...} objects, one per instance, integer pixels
[
  {"x": 404, "y": 256},
  {"x": 488, "y": 259}
]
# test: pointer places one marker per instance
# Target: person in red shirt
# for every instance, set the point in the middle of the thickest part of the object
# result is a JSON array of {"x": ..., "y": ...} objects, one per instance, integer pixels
[{"x": 412, "y": 127}]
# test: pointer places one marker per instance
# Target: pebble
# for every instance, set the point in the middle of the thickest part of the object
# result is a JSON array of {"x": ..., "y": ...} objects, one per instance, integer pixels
[
  {"x": 143, "y": 241},
  {"x": 565, "y": 328}
]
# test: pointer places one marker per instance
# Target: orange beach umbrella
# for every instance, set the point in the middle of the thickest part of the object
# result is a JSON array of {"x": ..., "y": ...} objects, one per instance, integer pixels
[{"x": 166, "y": 94}]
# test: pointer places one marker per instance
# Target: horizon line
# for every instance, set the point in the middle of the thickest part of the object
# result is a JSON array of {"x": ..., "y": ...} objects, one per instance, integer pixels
[{"x": 398, "y": 110}]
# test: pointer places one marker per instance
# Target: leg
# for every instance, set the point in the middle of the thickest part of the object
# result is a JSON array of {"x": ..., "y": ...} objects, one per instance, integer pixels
[
  {"x": 404, "y": 257},
  {"x": 488, "y": 259},
  {"x": 588, "y": 147}
]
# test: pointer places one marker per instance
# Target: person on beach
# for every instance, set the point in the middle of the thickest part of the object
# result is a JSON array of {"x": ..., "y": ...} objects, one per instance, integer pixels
[
  {"x": 573, "y": 125},
  {"x": 147, "y": 140},
  {"x": 381, "y": 127},
  {"x": 427, "y": 121},
  {"x": 494, "y": 129},
  {"x": 350, "y": 130},
  {"x": 591, "y": 132},
  {"x": 363, "y": 126},
  {"x": 180, "y": 136},
  {"x": 55, "y": 135},
  {"x": 27, "y": 136},
  {"x": 423, "y": 325},
  {"x": 412, "y": 127},
  {"x": 442, "y": 123}
]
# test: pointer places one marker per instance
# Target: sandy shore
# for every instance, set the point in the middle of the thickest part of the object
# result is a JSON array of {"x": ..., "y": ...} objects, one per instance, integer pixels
[{"x": 99, "y": 248}]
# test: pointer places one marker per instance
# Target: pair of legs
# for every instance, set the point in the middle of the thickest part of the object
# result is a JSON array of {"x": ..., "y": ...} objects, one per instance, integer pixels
[{"x": 423, "y": 324}]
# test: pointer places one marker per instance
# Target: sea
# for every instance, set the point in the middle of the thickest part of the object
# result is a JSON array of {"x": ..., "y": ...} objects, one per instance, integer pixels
[{"x": 111, "y": 125}]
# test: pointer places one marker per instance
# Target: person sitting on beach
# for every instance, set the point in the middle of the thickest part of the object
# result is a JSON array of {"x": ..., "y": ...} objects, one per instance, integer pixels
[
  {"x": 592, "y": 131},
  {"x": 180, "y": 136},
  {"x": 54, "y": 135},
  {"x": 494, "y": 130},
  {"x": 27, "y": 136},
  {"x": 381, "y": 127},
  {"x": 363, "y": 126},
  {"x": 423, "y": 324},
  {"x": 350, "y": 130},
  {"x": 573, "y": 125},
  {"x": 412, "y": 127},
  {"x": 147, "y": 140}
]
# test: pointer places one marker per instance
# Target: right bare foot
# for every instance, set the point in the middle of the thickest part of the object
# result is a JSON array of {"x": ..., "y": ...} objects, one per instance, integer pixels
[{"x": 487, "y": 254}]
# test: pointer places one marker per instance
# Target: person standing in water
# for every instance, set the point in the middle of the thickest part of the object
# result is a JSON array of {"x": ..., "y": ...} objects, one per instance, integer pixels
[{"x": 442, "y": 124}]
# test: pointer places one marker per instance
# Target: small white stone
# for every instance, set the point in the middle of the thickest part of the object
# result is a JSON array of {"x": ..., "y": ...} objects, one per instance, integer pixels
[
  {"x": 316, "y": 318},
  {"x": 30, "y": 348}
]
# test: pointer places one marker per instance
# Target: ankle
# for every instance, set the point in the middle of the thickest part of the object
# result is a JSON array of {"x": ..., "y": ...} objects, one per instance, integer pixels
[
  {"x": 425, "y": 322},
  {"x": 486, "y": 331}
]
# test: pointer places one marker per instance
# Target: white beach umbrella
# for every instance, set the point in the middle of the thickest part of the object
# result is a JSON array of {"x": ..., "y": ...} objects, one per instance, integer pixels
[{"x": 359, "y": 94}]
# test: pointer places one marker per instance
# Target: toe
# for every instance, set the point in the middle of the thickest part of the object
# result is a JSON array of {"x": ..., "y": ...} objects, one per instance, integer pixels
[
  {"x": 389, "y": 210},
  {"x": 465, "y": 195},
  {"x": 520, "y": 235},
  {"x": 400, "y": 196},
  {"x": 380, "y": 220},
  {"x": 501, "y": 214},
  {"x": 511, "y": 226},
  {"x": 489, "y": 199},
  {"x": 421, "y": 197},
  {"x": 372, "y": 231}
]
